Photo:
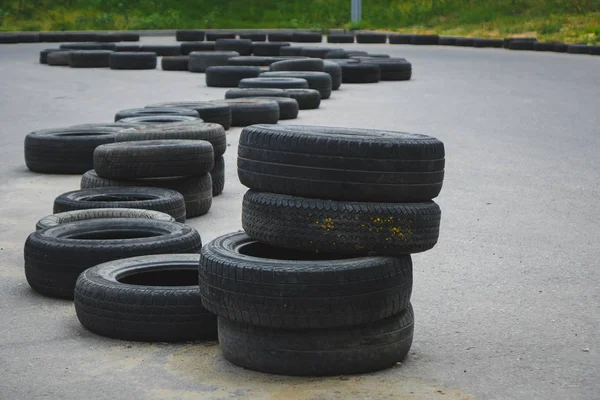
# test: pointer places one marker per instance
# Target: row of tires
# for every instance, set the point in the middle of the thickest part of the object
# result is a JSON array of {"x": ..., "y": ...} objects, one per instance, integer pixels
[{"x": 57, "y": 37}]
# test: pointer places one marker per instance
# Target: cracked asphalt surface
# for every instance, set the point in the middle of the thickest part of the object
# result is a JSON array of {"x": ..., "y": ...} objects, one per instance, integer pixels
[{"x": 506, "y": 305}]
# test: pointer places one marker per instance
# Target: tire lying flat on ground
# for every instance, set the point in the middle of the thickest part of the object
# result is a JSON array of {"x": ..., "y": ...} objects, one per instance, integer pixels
[
  {"x": 308, "y": 99},
  {"x": 242, "y": 46},
  {"x": 343, "y": 227},
  {"x": 67, "y": 150},
  {"x": 199, "y": 61},
  {"x": 149, "y": 298},
  {"x": 258, "y": 92},
  {"x": 44, "y": 55},
  {"x": 341, "y": 38},
  {"x": 162, "y": 49},
  {"x": 159, "y": 120},
  {"x": 253, "y": 111},
  {"x": 153, "y": 159},
  {"x": 288, "y": 107},
  {"x": 210, "y": 132},
  {"x": 255, "y": 37},
  {"x": 189, "y": 35},
  {"x": 132, "y": 60},
  {"x": 335, "y": 71},
  {"x": 215, "y": 111},
  {"x": 392, "y": 69},
  {"x": 55, "y": 257},
  {"x": 268, "y": 49},
  {"x": 371, "y": 37},
  {"x": 318, "y": 352},
  {"x": 323, "y": 162},
  {"x": 100, "y": 213},
  {"x": 142, "y": 112},
  {"x": 213, "y": 36},
  {"x": 174, "y": 63},
  {"x": 249, "y": 282},
  {"x": 303, "y": 64},
  {"x": 88, "y": 46},
  {"x": 229, "y": 76},
  {"x": 196, "y": 190},
  {"x": 188, "y": 47},
  {"x": 306, "y": 37},
  {"x": 58, "y": 58},
  {"x": 273, "y": 82},
  {"x": 360, "y": 73},
  {"x": 146, "y": 198},
  {"x": 89, "y": 58}
]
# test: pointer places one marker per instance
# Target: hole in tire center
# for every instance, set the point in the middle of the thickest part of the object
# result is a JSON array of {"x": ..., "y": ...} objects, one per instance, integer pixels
[
  {"x": 261, "y": 250},
  {"x": 118, "y": 197},
  {"x": 163, "y": 277},
  {"x": 115, "y": 234}
]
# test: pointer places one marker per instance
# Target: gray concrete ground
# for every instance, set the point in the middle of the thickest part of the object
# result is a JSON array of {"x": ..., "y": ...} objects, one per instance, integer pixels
[{"x": 507, "y": 304}]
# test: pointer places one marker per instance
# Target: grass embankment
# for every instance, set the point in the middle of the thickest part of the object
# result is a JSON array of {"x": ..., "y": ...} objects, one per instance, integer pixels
[{"x": 561, "y": 20}]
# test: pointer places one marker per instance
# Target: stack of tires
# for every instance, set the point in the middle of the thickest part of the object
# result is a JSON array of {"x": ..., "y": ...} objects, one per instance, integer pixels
[{"x": 320, "y": 282}]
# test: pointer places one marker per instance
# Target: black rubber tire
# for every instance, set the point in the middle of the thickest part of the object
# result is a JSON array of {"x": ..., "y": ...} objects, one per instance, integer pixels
[
  {"x": 595, "y": 50},
  {"x": 257, "y": 61},
  {"x": 255, "y": 37},
  {"x": 147, "y": 198},
  {"x": 54, "y": 37},
  {"x": 280, "y": 36},
  {"x": 9, "y": 38},
  {"x": 188, "y": 47},
  {"x": 196, "y": 190},
  {"x": 306, "y": 37},
  {"x": 88, "y": 46},
  {"x": 519, "y": 44},
  {"x": 328, "y": 226},
  {"x": 242, "y": 46},
  {"x": 65, "y": 151},
  {"x": 199, "y": 61},
  {"x": 288, "y": 107},
  {"x": 317, "y": 52},
  {"x": 425, "y": 39},
  {"x": 129, "y": 36},
  {"x": 275, "y": 83},
  {"x": 132, "y": 60},
  {"x": 577, "y": 49},
  {"x": 507, "y": 41},
  {"x": 208, "y": 131},
  {"x": 162, "y": 49},
  {"x": 218, "y": 176},
  {"x": 229, "y": 76},
  {"x": 127, "y": 48},
  {"x": 318, "y": 352},
  {"x": 246, "y": 112},
  {"x": 189, "y": 35},
  {"x": 302, "y": 64},
  {"x": 400, "y": 38},
  {"x": 159, "y": 120},
  {"x": 81, "y": 37},
  {"x": 108, "y": 37},
  {"x": 241, "y": 93},
  {"x": 340, "y": 38},
  {"x": 371, "y": 37},
  {"x": 268, "y": 48},
  {"x": 101, "y": 213},
  {"x": 290, "y": 51},
  {"x": 143, "y": 112},
  {"x": 317, "y": 80},
  {"x": 464, "y": 42},
  {"x": 174, "y": 63},
  {"x": 360, "y": 73},
  {"x": 250, "y": 282},
  {"x": 44, "y": 55},
  {"x": 55, "y": 257},
  {"x": 494, "y": 43},
  {"x": 153, "y": 159},
  {"x": 308, "y": 99},
  {"x": 561, "y": 47},
  {"x": 28, "y": 37},
  {"x": 448, "y": 41},
  {"x": 335, "y": 71},
  {"x": 213, "y": 36},
  {"x": 151, "y": 299},
  {"x": 58, "y": 58},
  {"x": 341, "y": 163},
  {"x": 544, "y": 46},
  {"x": 215, "y": 111},
  {"x": 393, "y": 69}
]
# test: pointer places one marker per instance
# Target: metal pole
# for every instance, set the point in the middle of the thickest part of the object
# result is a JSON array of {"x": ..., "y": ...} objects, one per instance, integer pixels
[{"x": 356, "y": 10}]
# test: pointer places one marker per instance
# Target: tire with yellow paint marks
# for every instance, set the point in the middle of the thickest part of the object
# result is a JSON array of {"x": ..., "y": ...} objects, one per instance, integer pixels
[{"x": 340, "y": 226}]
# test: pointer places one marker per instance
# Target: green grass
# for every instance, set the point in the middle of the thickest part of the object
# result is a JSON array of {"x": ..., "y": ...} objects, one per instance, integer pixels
[{"x": 566, "y": 20}]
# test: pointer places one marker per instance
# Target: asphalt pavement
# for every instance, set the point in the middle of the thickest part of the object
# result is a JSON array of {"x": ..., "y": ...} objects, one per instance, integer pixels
[{"x": 507, "y": 305}]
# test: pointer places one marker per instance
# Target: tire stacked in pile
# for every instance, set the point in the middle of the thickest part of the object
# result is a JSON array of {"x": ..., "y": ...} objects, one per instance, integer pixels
[
  {"x": 177, "y": 156},
  {"x": 320, "y": 282}
]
